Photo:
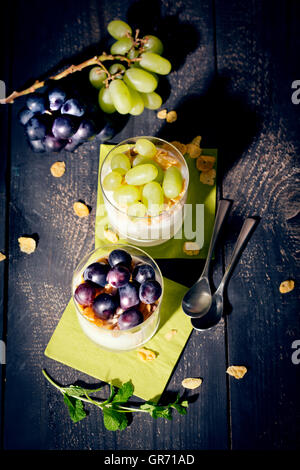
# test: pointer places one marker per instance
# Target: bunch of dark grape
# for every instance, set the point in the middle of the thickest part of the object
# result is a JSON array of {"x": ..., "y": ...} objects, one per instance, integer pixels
[
  {"x": 54, "y": 121},
  {"x": 128, "y": 85}
]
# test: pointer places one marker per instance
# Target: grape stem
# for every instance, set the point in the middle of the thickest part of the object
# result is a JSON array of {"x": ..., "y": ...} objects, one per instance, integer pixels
[{"x": 96, "y": 60}]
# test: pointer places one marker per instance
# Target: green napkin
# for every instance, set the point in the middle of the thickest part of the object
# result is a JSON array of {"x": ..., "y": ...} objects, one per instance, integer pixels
[
  {"x": 70, "y": 346},
  {"x": 198, "y": 193}
]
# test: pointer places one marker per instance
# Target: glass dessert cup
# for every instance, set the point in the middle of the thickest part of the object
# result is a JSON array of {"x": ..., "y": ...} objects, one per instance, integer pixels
[
  {"x": 149, "y": 230},
  {"x": 117, "y": 340}
]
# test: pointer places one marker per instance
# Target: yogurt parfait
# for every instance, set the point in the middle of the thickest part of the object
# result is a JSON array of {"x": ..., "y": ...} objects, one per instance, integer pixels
[
  {"x": 117, "y": 294},
  {"x": 144, "y": 182}
]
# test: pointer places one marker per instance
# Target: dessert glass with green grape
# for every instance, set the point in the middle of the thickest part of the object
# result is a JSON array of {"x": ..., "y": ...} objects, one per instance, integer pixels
[{"x": 144, "y": 181}]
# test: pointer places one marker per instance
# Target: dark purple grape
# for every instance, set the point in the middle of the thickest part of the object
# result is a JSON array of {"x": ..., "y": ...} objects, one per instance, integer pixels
[
  {"x": 150, "y": 291},
  {"x": 130, "y": 318},
  {"x": 107, "y": 132},
  {"x": 85, "y": 294},
  {"x": 96, "y": 273},
  {"x": 36, "y": 128},
  {"x": 63, "y": 127},
  {"x": 119, "y": 257},
  {"x": 104, "y": 306},
  {"x": 129, "y": 295},
  {"x": 118, "y": 276},
  {"x": 85, "y": 131},
  {"x": 72, "y": 144},
  {"x": 143, "y": 272},
  {"x": 73, "y": 107},
  {"x": 36, "y": 103},
  {"x": 37, "y": 146},
  {"x": 52, "y": 144},
  {"x": 57, "y": 98},
  {"x": 25, "y": 115}
]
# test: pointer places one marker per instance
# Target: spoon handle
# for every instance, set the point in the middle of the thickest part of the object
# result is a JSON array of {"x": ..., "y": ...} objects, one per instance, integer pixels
[
  {"x": 245, "y": 233},
  {"x": 223, "y": 208}
]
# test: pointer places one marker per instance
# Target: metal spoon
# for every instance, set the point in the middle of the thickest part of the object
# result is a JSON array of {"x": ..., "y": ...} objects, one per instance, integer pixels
[
  {"x": 214, "y": 314},
  {"x": 197, "y": 300}
]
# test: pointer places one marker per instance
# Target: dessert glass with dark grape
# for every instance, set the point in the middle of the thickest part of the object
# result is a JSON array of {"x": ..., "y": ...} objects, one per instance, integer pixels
[
  {"x": 117, "y": 291},
  {"x": 144, "y": 182}
]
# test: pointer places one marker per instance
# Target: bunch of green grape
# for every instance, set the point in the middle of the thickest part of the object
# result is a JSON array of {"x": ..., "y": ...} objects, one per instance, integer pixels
[{"x": 128, "y": 85}]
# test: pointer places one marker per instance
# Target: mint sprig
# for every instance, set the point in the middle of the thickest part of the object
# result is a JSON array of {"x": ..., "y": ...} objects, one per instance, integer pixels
[{"x": 115, "y": 407}]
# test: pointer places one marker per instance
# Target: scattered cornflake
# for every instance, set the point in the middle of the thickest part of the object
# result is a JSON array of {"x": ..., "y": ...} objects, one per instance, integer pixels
[
  {"x": 191, "y": 248},
  {"x": 197, "y": 140},
  {"x": 2, "y": 257},
  {"x": 162, "y": 114},
  {"x": 110, "y": 235},
  {"x": 58, "y": 169},
  {"x": 286, "y": 286},
  {"x": 193, "y": 150},
  {"x": 205, "y": 162},
  {"x": 170, "y": 334},
  {"x": 171, "y": 116},
  {"x": 191, "y": 383},
  {"x": 208, "y": 177},
  {"x": 81, "y": 209},
  {"x": 180, "y": 146},
  {"x": 27, "y": 244},
  {"x": 146, "y": 354},
  {"x": 237, "y": 371}
]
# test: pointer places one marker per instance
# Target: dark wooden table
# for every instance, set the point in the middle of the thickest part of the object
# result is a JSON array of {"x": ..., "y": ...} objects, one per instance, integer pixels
[{"x": 234, "y": 63}]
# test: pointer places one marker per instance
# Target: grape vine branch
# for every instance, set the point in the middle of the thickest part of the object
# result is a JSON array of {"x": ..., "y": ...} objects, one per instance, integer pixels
[{"x": 96, "y": 60}]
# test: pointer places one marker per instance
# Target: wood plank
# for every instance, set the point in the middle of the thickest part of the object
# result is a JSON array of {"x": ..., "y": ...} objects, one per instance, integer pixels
[
  {"x": 39, "y": 283},
  {"x": 256, "y": 44}
]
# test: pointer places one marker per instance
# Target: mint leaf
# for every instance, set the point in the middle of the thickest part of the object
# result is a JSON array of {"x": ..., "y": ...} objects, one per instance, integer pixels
[
  {"x": 75, "y": 407},
  {"x": 124, "y": 393},
  {"x": 157, "y": 411},
  {"x": 113, "y": 420},
  {"x": 180, "y": 408}
]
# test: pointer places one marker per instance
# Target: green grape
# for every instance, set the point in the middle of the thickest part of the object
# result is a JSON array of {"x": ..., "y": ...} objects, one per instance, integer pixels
[
  {"x": 120, "y": 163},
  {"x": 139, "y": 160},
  {"x": 153, "y": 198},
  {"x": 155, "y": 63},
  {"x": 132, "y": 54},
  {"x": 112, "y": 180},
  {"x": 152, "y": 100},
  {"x": 127, "y": 194},
  {"x": 145, "y": 147},
  {"x": 141, "y": 174},
  {"x": 118, "y": 29},
  {"x": 137, "y": 102},
  {"x": 116, "y": 68},
  {"x": 137, "y": 209},
  {"x": 172, "y": 183},
  {"x": 140, "y": 80},
  {"x": 153, "y": 44},
  {"x": 120, "y": 96},
  {"x": 121, "y": 47},
  {"x": 97, "y": 77},
  {"x": 105, "y": 101}
]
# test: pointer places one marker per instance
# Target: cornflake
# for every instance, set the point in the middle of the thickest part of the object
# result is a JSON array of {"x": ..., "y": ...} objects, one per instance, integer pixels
[
  {"x": 191, "y": 383},
  {"x": 193, "y": 150},
  {"x": 180, "y": 146},
  {"x": 286, "y": 286},
  {"x": 58, "y": 169},
  {"x": 110, "y": 235},
  {"x": 197, "y": 140},
  {"x": 170, "y": 334},
  {"x": 2, "y": 257},
  {"x": 205, "y": 163},
  {"x": 81, "y": 209},
  {"x": 162, "y": 114},
  {"x": 146, "y": 354},
  {"x": 237, "y": 372},
  {"x": 191, "y": 248},
  {"x": 171, "y": 116},
  {"x": 27, "y": 244},
  {"x": 208, "y": 177}
]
